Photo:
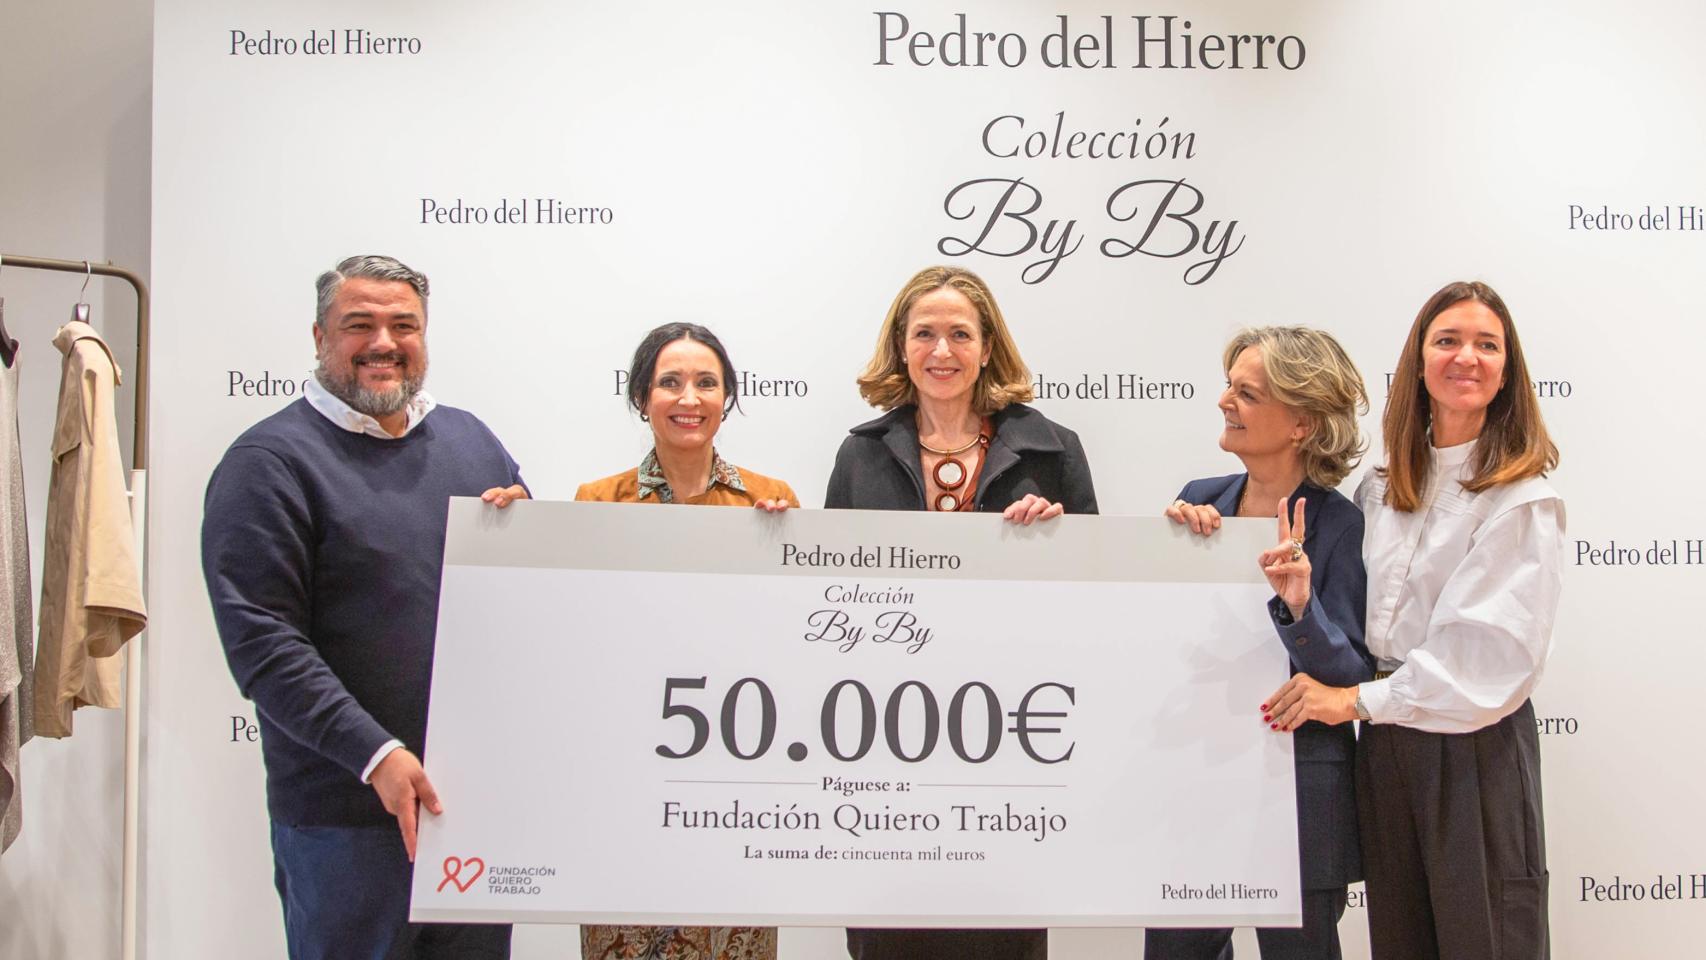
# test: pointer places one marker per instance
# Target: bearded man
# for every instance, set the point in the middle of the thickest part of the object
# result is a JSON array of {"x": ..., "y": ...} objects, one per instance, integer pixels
[{"x": 322, "y": 543}]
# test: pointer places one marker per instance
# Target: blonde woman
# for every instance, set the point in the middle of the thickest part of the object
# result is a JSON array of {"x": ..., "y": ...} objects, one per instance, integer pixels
[
  {"x": 1290, "y": 405},
  {"x": 957, "y": 436}
]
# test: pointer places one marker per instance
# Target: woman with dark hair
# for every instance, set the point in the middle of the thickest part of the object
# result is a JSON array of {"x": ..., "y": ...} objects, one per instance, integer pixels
[
  {"x": 957, "y": 437},
  {"x": 1291, "y": 402},
  {"x": 682, "y": 383},
  {"x": 1463, "y": 545}
]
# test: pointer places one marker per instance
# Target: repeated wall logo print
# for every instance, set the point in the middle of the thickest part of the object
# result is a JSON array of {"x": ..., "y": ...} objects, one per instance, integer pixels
[
  {"x": 1115, "y": 386},
  {"x": 1652, "y": 218},
  {"x": 1543, "y": 389},
  {"x": 1675, "y": 552},
  {"x": 320, "y": 43},
  {"x": 1666, "y": 887},
  {"x": 1557, "y": 726},
  {"x": 521, "y": 211},
  {"x": 1136, "y": 42},
  {"x": 246, "y": 383},
  {"x": 748, "y": 385}
]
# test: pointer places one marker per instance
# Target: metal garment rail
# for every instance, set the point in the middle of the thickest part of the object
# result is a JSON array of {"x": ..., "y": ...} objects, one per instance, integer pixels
[
  {"x": 139, "y": 446},
  {"x": 139, "y": 513}
]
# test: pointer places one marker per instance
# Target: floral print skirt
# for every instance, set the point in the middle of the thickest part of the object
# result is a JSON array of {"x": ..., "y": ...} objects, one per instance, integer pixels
[{"x": 600, "y": 942}]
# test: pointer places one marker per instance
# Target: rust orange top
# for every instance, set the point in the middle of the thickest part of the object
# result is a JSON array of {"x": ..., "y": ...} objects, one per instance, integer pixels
[{"x": 730, "y": 487}]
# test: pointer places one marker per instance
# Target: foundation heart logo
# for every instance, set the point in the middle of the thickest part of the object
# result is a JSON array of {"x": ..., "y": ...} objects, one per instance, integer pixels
[{"x": 455, "y": 867}]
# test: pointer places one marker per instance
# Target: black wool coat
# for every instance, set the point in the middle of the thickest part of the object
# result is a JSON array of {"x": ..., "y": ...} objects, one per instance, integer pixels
[{"x": 878, "y": 466}]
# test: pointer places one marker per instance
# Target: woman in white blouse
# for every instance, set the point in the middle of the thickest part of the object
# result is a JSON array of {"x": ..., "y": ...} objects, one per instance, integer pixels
[{"x": 1463, "y": 546}]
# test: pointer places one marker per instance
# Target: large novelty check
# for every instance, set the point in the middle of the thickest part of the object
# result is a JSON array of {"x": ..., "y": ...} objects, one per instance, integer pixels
[{"x": 848, "y": 717}]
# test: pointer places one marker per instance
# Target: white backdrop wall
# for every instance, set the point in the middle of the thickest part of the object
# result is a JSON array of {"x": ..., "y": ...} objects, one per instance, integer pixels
[{"x": 759, "y": 168}]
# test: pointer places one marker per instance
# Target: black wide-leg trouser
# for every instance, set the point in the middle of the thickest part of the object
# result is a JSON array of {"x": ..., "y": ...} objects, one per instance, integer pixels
[{"x": 1453, "y": 842}]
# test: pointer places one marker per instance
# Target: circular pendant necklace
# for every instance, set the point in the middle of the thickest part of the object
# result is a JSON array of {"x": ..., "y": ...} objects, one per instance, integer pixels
[{"x": 950, "y": 474}]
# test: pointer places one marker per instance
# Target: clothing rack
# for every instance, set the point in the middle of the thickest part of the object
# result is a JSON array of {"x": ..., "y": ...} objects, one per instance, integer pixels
[
  {"x": 138, "y": 514},
  {"x": 139, "y": 446}
]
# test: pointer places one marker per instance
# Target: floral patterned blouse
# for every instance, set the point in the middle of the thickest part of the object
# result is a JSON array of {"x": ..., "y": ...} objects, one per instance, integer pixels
[{"x": 677, "y": 943}]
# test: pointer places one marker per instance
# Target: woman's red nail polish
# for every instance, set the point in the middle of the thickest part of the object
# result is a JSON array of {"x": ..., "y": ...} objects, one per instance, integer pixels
[
  {"x": 1264, "y": 706},
  {"x": 1266, "y": 717}
]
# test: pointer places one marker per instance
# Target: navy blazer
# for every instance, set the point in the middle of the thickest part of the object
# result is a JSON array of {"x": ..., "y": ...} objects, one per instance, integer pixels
[
  {"x": 878, "y": 466},
  {"x": 1327, "y": 644}
]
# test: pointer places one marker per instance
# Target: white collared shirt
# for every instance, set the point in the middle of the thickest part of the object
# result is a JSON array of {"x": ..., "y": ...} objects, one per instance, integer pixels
[
  {"x": 353, "y": 420},
  {"x": 1463, "y": 593}
]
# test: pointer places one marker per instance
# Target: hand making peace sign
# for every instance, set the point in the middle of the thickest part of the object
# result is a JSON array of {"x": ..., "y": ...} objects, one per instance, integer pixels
[{"x": 1286, "y": 565}]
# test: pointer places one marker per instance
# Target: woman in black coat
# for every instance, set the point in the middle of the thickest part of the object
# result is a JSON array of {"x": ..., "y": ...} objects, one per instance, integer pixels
[{"x": 957, "y": 437}]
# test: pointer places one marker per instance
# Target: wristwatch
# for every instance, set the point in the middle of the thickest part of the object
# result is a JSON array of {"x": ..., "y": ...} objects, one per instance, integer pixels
[{"x": 1362, "y": 711}]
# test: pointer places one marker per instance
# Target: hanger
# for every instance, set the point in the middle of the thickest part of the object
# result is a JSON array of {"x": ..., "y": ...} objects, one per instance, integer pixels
[
  {"x": 8, "y": 346},
  {"x": 80, "y": 312}
]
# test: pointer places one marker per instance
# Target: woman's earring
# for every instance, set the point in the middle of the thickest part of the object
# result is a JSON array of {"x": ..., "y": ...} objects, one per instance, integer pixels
[{"x": 645, "y": 418}]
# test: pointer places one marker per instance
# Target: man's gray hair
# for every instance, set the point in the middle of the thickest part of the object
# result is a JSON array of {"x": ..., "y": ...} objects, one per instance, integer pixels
[{"x": 370, "y": 267}]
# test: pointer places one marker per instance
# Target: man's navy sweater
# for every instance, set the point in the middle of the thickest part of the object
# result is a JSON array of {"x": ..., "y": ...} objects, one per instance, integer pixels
[{"x": 323, "y": 551}]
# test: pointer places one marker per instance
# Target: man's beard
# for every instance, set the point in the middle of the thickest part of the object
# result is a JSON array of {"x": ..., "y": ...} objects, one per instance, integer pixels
[{"x": 374, "y": 403}]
